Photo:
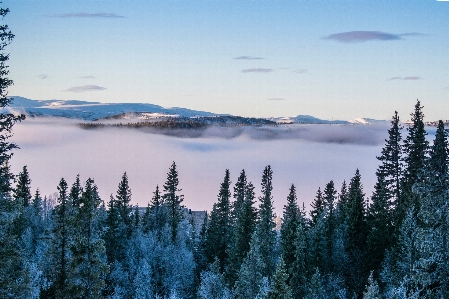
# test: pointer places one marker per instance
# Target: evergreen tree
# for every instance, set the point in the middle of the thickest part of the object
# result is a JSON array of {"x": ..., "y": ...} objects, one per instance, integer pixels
[
  {"x": 265, "y": 234},
  {"x": 372, "y": 289},
  {"x": 243, "y": 230},
  {"x": 22, "y": 192},
  {"x": 116, "y": 233},
  {"x": 289, "y": 227},
  {"x": 89, "y": 257},
  {"x": 173, "y": 201},
  {"x": 391, "y": 168},
  {"x": 213, "y": 284},
  {"x": 60, "y": 254},
  {"x": 124, "y": 208},
  {"x": 239, "y": 195},
  {"x": 298, "y": 269},
  {"x": 279, "y": 286},
  {"x": 357, "y": 232},
  {"x": 75, "y": 192},
  {"x": 330, "y": 223},
  {"x": 219, "y": 227},
  {"x": 380, "y": 224},
  {"x": 316, "y": 288},
  {"x": 415, "y": 150},
  {"x": 317, "y": 207}
]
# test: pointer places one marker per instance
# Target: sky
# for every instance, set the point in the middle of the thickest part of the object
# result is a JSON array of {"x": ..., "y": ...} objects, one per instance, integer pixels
[{"x": 262, "y": 58}]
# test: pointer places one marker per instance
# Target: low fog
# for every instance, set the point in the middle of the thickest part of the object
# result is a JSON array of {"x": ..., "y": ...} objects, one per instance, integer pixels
[{"x": 308, "y": 156}]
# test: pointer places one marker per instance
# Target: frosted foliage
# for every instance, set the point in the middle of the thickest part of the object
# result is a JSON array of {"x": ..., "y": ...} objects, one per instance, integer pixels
[
  {"x": 213, "y": 285},
  {"x": 142, "y": 285},
  {"x": 372, "y": 289}
]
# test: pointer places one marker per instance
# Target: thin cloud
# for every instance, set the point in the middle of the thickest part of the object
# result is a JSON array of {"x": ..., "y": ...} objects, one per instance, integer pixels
[
  {"x": 405, "y": 78},
  {"x": 86, "y": 15},
  {"x": 363, "y": 36},
  {"x": 248, "y": 58},
  {"x": 257, "y": 70},
  {"x": 43, "y": 76},
  {"x": 87, "y": 77},
  {"x": 276, "y": 99},
  {"x": 300, "y": 71},
  {"x": 85, "y": 88}
]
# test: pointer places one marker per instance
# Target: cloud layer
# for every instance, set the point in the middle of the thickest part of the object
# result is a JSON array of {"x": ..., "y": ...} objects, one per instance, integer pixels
[
  {"x": 87, "y": 15},
  {"x": 363, "y": 36},
  {"x": 405, "y": 78},
  {"x": 248, "y": 58},
  {"x": 257, "y": 70},
  {"x": 84, "y": 88},
  {"x": 308, "y": 156}
]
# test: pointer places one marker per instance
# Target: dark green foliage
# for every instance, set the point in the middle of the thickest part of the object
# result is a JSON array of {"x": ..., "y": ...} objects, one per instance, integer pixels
[
  {"x": 88, "y": 251},
  {"x": 279, "y": 286},
  {"x": 22, "y": 191},
  {"x": 317, "y": 207},
  {"x": 245, "y": 223},
  {"x": 123, "y": 199},
  {"x": 219, "y": 227},
  {"x": 265, "y": 234},
  {"x": 173, "y": 201},
  {"x": 116, "y": 232},
  {"x": 239, "y": 195},
  {"x": 298, "y": 269},
  {"x": 75, "y": 192},
  {"x": 60, "y": 255},
  {"x": 288, "y": 231}
]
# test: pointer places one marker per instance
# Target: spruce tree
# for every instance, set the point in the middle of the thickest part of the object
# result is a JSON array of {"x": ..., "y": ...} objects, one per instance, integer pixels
[
  {"x": 173, "y": 201},
  {"x": 88, "y": 251},
  {"x": 330, "y": 222},
  {"x": 279, "y": 286},
  {"x": 265, "y": 234},
  {"x": 22, "y": 191},
  {"x": 415, "y": 150},
  {"x": 123, "y": 199},
  {"x": 60, "y": 252},
  {"x": 75, "y": 192},
  {"x": 116, "y": 233},
  {"x": 317, "y": 207},
  {"x": 243, "y": 230},
  {"x": 239, "y": 195},
  {"x": 289, "y": 227},
  {"x": 299, "y": 268}
]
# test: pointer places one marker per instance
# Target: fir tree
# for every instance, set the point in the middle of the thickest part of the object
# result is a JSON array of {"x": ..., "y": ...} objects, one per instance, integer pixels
[
  {"x": 298, "y": 269},
  {"x": 239, "y": 195},
  {"x": 89, "y": 258},
  {"x": 123, "y": 199},
  {"x": 317, "y": 207},
  {"x": 330, "y": 223},
  {"x": 22, "y": 192},
  {"x": 219, "y": 227},
  {"x": 265, "y": 234},
  {"x": 75, "y": 192},
  {"x": 415, "y": 150},
  {"x": 243, "y": 230},
  {"x": 173, "y": 201},
  {"x": 60, "y": 254},
  {"x": 116, "y": 233},
  {"x": 391, "y": 168},
  {"x": 279, "y": 286},
  {"x": 289, "y": 227},
  {"x": 372, "y": 289}
]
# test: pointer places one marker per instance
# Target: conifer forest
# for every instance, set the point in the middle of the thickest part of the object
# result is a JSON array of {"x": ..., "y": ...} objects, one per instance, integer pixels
[{"x": 393, "y": 243}]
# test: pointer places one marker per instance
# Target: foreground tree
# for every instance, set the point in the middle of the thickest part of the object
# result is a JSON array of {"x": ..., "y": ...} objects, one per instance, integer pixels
[{"x": 173, "y": 201}]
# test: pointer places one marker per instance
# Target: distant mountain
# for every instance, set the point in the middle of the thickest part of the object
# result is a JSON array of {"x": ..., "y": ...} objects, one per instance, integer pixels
[
  {"x": 92, "y": 111},
  {"x": 95, "y": 110}
]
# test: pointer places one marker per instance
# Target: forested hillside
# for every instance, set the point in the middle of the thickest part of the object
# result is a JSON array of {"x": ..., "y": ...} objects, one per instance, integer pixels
[{"x": 389, "y": 244}]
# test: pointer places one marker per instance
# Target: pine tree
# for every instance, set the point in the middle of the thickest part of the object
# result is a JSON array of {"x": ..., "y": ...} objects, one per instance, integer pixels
[
  {"x": 243, "y": 230},
  {"x": 289, "y": 227},
  {"x": 279, "y": 286},
  {"x": 22, "y": 192},
  {"x": 219, "y": 227},
  {"x": 173, "y": 201},
  {"x": 89, "y": 256}
]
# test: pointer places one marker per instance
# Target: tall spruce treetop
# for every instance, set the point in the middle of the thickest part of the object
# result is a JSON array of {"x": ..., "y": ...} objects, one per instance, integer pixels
[
  {"x": 391, "y": 167},
  {"x": 239, "y": 194},
  {"x": 75, "y": 192},
  {"x": 173, "y": 200},
  {"x": 439, "y": 152},
  {"x": 22, "y": 191},
  {"x": 219, "y": 228},
  {"x": 122, "y": 202},
  {"x": 7, "y": 120},
  {"x": 356, "y": 213},
  {"x": 289, "y": 227},
  {"x": 265, "y": 234},
  {"x": 317, "y": 206},
  {"x": 415, "y": 150}
]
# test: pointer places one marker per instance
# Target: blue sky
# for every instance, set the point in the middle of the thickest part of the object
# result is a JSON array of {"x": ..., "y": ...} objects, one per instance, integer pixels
[{"x": 329, "y": 59}]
